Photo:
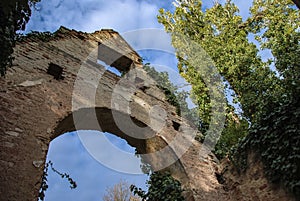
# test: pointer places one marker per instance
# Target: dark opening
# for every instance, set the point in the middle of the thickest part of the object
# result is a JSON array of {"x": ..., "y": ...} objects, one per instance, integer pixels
[
  {"x": 114, "y": 58},
  {"x": 56, "y": 71},
  {"x": 176, "y": 125},
  {"x": 220, "y": 178}
]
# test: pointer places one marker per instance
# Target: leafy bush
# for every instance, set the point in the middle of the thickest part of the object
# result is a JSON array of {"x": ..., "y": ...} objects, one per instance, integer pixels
[{"x": 161, "y": 186}]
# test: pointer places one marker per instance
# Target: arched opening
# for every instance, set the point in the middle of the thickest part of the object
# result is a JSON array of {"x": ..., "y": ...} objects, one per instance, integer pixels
[
  {"x": 69, "y": 155},
  {"x": 83, "y": 120}
]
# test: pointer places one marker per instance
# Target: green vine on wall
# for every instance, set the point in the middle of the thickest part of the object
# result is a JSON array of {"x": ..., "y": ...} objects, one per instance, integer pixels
[
  {"x": 276, "y": 140},
  {"x": 36, "y": 35},
  {"x": 14, "y": 15}
]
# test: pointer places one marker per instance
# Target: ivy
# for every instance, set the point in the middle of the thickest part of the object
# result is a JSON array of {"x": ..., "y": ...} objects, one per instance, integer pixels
[
  {"x": 161, "y": 186},
  {"x": 235, "y": 129},
  {"x": 14, "y": 15},
  {"x": 276, "y": 140},
  {"x": 36, "y": 35},
  {"x": 163, "y": 82},
  {"x": 44, "y": 184}
]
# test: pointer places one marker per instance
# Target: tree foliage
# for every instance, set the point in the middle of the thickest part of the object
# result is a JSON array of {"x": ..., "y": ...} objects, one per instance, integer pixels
[
  {"x": 224, "y": 36},
  {"x": 161, "y": 186},
  {"x": 215, "y": 31},
  {"x": 267, "y": 90},
  {"x": 14, "y": 14}
]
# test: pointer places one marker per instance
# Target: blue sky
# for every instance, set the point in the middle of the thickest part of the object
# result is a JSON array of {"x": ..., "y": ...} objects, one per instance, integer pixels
[
  {"x": 67, "y": 152},
  {"x": 70, "y": 156}
]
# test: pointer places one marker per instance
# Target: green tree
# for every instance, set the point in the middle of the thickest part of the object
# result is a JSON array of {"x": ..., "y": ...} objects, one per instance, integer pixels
[
  {"x": 215, "y": 31},
  {"x": 14, "y": 14},
  {"x": 221, "y": 32},
  {"x": 267, "y": 91}
]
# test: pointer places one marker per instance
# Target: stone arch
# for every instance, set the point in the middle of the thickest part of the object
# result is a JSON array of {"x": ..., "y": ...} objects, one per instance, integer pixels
[
  {"x": 36, "y": 107},
  {"x": 106, "y": 124},
  {"x": 149, "y": 142}
]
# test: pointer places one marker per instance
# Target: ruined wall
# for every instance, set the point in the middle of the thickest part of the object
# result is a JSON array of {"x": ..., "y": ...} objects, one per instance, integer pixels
[
  {"x": 40, "y": 100},
  {"x": 38, "y": 103}
]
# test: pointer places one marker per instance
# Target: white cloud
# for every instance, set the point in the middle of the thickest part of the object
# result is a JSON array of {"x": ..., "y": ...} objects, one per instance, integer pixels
[
  {"x": 149, "y": 38},
  {"x": 92, "y": 15}
]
